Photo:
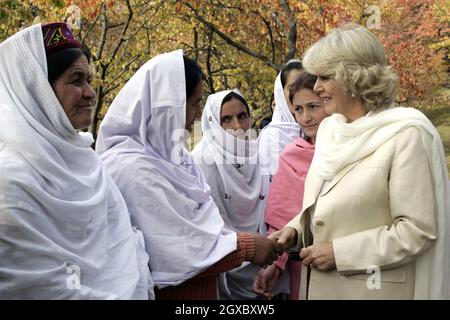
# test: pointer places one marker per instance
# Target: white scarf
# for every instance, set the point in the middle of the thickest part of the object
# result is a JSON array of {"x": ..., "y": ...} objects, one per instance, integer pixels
[
  {"x": 282, "y": 130},
  {"x": 231, "y": 167},
  {"x": 65, "y": 231},
  {"x": 141, "y": 143},
  {"x": 232, "y": 170},
  {"x": 339, "y": 144}
]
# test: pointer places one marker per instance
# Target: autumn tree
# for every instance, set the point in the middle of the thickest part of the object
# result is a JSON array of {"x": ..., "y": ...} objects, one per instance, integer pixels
[{"x": 241, "y": 44}]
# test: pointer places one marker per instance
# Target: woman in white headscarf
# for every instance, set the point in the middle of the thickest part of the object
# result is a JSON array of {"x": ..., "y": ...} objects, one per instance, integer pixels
[
  {"x": 375, "y": 220},
  {"x": 65, "y": 232},
  {"x": 283, "y": 129},
  {"x": 229, "y": 159},
  {"x": 141, "y": 141}
]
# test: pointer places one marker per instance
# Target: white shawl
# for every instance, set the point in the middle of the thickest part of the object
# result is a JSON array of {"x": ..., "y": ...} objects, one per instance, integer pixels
[
  {"x": 339, "y": 144},
  {"x": 65, "y": 232},
  {"x": 232, "y": 171},
  {"x": 282, "y": 130},
  {"x": 141, "y": 143}
]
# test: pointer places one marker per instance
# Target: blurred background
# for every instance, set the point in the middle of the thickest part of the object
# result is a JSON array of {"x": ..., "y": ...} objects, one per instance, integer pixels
[{"x": 243, "y": 44}]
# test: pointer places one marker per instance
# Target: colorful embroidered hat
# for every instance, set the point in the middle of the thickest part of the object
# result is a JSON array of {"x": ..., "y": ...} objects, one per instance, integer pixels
[{"x": 58, "y": 36}]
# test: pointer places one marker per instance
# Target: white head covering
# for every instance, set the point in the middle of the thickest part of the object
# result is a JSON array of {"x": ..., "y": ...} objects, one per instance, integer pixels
[
  {"x": 64, "y": 227},
  {"x": 282, "y": 130},
  {"x": 231, "y": 168},
  {"x": 140, "y": 141},
  {"x": 340, "y": 143}
]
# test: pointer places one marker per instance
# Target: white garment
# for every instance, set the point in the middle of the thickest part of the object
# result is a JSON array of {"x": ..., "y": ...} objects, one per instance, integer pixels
[
  {"x": 232, "y": 171},
  {"x": 282, "y": 130},
  {"x": 65, "y": 232},
  {"x": 141, "y": 143},
  {"x": 340, "y": 143}
]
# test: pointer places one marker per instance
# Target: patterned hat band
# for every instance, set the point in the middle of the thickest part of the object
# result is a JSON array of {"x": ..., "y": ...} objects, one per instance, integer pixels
[{"x": 58, "y": 36}]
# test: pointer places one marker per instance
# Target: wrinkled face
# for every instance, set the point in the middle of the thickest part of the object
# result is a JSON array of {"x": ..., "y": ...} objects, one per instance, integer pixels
[
  {"x": 292, "y": 75},
  {"x": 234, "y": 118},
  {"x": 336, "y": 100},
  {"x": 309, "y": 111},
  {"x": 74, "y": 92},
  {"x": 193, "y": 110}
]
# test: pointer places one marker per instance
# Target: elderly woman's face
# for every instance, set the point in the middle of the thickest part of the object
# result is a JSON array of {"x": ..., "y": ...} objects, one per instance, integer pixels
[
  {"x": 335, "y": 98},
  {"x": 292, "y": 75},
  {"x": 309, "y": 111},
  {"x": 234, "y": 118},
  {"x": 75, "y": 93}
]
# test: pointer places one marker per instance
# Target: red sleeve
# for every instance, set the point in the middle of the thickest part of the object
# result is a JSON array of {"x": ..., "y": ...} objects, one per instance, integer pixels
[{"x": 244, "y": 252}]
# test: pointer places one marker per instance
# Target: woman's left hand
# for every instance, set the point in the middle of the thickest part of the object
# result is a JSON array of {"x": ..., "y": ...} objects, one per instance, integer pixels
[{"x": 319, "y": 256}]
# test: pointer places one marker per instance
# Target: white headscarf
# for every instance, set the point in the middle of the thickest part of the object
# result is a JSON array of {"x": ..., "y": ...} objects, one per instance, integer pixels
[
  {"x": 64, "y": 227},
  {"x": 231, "y": 167},
  {"x": 282, "y": 130},
  {"x": 140, "y": 141},
  {"x": 340, "y": 143}
]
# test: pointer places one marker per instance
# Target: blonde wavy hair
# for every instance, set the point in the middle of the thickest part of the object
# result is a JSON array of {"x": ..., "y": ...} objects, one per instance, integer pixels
[{"x": 354, "y": 56}]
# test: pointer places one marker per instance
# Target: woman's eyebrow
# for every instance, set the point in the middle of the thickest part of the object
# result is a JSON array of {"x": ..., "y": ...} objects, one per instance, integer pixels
[{"x": 79, "y": 72}]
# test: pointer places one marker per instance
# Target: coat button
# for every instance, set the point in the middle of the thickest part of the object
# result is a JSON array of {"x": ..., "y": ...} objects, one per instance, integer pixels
[
  {"x": 227, "y": 196},
  {"x": 319, "y": 223},
  {"x": 261, "y": 197},
  {"x": 210, "y": 118}
]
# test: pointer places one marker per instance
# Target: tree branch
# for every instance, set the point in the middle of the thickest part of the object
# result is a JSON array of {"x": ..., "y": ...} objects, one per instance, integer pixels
[
  {"x": 90, "y": 28},
  {"x": 108, "y": 89},
  {"x": 122, "y": 34},
  {"x": 230, "y": 41},
  {"x": 292, "y": 34},
  {"x": 104, "y": 31}
]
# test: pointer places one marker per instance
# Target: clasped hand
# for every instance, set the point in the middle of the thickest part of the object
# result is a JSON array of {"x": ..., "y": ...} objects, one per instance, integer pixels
[
  {"x": 319, "y": 256},
  {"x": 266, "y": 251}
]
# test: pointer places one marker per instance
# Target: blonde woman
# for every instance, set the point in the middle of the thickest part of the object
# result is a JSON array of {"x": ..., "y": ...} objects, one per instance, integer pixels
[{"x": 375, "y": 201}]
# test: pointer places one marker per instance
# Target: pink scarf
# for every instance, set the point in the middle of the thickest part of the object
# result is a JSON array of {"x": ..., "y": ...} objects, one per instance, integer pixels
[
  {"x": 285, "y": 199},
  {"x": 285, "y": 196}
]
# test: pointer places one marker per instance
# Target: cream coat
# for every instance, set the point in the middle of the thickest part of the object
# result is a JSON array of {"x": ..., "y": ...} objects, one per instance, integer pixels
[{"x": 379, "y": 211}]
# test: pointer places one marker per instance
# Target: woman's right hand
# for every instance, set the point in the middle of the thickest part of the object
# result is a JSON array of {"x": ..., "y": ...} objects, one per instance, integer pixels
[
  {"x": 265, "y": 280},
  {"x": 266, "y": 251},
  {"x": 286, "y": 237}
]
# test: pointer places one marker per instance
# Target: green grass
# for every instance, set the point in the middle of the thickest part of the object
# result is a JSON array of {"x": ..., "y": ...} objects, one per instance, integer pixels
[{"x": 440, "y": 117}]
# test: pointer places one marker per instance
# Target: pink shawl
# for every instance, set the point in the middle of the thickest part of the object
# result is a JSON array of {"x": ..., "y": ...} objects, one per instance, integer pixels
[
  {"x": 285, "y": 199},
  {"x": 285, "y": 196}
]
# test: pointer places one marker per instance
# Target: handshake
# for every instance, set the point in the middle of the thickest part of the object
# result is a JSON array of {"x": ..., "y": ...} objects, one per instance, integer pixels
[{"x": 268, "y": 249}]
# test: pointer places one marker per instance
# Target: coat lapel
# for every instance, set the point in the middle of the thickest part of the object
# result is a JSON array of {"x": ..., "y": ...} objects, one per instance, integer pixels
[{"x": 338, "y": 177}]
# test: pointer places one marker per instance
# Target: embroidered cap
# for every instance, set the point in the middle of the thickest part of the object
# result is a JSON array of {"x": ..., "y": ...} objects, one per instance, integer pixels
[{"x": 58, "y": 36}]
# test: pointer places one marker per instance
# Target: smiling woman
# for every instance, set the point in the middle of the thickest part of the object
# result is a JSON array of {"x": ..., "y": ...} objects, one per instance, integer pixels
[
  {"x": 293, "y": 167},
  {"x": 376, "y": 191},
  {"x": 65, "y": 231},
  {"x": 70, "y": 77}
]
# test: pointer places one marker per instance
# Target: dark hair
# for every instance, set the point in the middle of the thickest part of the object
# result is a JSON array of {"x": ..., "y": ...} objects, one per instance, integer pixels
[
  {"x": 233, "y": 95},
  {"x": 290, "y": 65},
  {"x": 304, "y": 81},
  {"x": 193, "y": 75},
  {"x": 60, "y": 61},
  {"x": 265, "y": 122}
]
